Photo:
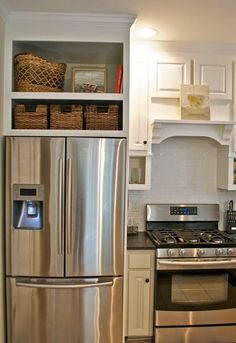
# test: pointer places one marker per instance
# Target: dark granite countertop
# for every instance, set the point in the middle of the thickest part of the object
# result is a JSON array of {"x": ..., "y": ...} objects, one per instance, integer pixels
[{"x": 139, "y": 241}]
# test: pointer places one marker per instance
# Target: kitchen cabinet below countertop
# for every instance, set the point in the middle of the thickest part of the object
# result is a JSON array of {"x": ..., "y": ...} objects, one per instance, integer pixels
[
  {"x": 139, "y": 241},
  {"x": 139, "y": 294}
]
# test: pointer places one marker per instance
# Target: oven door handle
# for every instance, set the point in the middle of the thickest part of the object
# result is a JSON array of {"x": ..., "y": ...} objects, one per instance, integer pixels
[{"x": 172, "y": 264}]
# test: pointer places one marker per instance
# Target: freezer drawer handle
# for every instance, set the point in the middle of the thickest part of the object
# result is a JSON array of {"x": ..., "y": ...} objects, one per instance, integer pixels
[{"x": 65, "y": 286}]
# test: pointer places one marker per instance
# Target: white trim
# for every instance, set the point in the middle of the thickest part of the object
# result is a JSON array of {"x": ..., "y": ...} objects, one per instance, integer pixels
[{"x": 86, "y": 17}]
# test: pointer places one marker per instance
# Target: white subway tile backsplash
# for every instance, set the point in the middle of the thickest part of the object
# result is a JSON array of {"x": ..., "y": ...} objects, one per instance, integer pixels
[{"x": 183, "y": 170}]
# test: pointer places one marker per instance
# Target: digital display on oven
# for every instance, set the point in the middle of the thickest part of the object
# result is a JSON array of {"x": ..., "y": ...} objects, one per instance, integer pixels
[{"x": 183, "y": 211}]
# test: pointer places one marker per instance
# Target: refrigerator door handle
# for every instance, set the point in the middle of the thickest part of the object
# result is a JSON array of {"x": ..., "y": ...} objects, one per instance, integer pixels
[
  {"x": 60, "y": 210},
  {"x": 61, "y": 285},
  {"x": 69, "y": 204}
]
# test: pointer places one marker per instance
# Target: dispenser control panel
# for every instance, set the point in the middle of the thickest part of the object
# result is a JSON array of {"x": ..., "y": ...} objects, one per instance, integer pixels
[
  {"x": 28, "y": 192},
  {"x": 28, "y": 207}
]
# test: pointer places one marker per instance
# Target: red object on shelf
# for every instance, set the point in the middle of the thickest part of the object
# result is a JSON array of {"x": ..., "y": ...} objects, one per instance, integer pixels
[{"x": 119, "y": 79}]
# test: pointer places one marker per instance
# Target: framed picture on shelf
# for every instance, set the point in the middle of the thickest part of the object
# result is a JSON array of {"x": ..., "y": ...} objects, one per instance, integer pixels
[{"x": 89, "y": 79}]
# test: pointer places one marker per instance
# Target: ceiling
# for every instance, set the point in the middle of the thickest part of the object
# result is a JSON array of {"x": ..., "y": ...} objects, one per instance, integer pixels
[{"x": 176, "y": 20}]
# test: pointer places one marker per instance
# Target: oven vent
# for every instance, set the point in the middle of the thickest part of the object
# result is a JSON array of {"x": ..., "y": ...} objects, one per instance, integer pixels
[{"x": 218, "y": 130}]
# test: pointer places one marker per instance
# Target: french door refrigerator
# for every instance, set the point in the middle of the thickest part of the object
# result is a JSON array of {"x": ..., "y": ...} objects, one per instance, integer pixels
[{"x": 65, "y": 210}]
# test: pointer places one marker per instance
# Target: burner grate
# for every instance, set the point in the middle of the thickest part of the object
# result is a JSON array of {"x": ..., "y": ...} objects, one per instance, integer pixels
[{"x": 191, "y": 237}]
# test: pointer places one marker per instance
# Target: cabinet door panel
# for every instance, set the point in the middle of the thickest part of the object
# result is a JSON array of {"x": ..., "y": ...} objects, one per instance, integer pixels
[
  {"x": 139, "y": 303},
  {"x": 215, "y": 71},
  {"x": 138, "y": 106},
  {"x": 167, "y": 73},
  {"x": 139, "y": 172}
]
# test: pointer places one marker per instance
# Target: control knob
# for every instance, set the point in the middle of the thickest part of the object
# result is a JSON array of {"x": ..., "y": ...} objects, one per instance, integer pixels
[
  {"x": 201, "y": 252},
  {"x": 230, "y": 251},
  {"x": 182, "y": 252},
  {"x": 219, "y": 252},
  {"x": 170, "y": 252}
]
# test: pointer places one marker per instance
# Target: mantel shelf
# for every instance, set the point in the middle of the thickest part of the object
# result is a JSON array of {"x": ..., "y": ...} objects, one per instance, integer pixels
[{"x": 217, "y": 130}]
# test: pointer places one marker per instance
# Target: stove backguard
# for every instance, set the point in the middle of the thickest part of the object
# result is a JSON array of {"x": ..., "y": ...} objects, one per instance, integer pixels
[{"x": 182, "y": 213}]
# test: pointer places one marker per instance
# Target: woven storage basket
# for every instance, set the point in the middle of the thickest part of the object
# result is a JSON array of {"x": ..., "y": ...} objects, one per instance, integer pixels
[
  {"x": 102, "y": 117},
  {"x": 36, "y": 74},
  {"x": 66, "y": 117},
  {"x": 31, "y": 117}
]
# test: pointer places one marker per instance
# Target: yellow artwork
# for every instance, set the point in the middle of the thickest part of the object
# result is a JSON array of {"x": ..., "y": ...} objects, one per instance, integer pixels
[{"x": 194, "y": 101}]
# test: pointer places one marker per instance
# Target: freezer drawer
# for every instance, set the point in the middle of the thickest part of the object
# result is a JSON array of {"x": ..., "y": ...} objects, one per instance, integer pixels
[{"x": 64, "y": 310}]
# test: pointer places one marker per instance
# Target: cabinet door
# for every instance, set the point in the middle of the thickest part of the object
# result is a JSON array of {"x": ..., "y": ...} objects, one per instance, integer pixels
[
  {"x": 139, "y": 303},
  {"x": 215, "y": 71},
  {"x": 167, "y": 73},
  {"x": 139, "y": 172},
  {"x": 138, "y": 106}
]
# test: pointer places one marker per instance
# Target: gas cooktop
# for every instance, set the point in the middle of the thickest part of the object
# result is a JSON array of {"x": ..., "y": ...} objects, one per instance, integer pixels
[
  {"x": 181, "y": 230},
  {"x": 178, "y": 237}
]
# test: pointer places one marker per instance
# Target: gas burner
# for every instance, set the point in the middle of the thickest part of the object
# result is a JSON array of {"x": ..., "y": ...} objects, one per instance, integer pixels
[
  {"x": 216, "y": 238},
  {"x": 170, "y": 240},
  {"x": 193, "y": 240}
]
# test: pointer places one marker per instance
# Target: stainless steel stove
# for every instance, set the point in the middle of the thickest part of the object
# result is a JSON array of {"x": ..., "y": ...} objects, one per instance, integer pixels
[{"x": 195, "y": 289}]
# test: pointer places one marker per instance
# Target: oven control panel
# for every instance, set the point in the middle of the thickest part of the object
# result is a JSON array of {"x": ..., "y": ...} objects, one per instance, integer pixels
[
  {"x": 183, "y": 211},
  {"x": 196, "y": 253}
]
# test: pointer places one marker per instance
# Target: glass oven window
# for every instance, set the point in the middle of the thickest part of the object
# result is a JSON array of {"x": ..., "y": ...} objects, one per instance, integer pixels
[
  {"x": 195, "y": 290},
  {"x": 203, "y": 289}
]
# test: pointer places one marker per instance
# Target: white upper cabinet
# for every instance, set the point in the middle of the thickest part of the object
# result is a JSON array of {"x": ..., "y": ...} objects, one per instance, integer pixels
[
  {"x": 138, "y": 139},
  {"x": 169, "y": 70},
  {"x": 167, "y": 73},
  {"x": 215, "y": 71}
]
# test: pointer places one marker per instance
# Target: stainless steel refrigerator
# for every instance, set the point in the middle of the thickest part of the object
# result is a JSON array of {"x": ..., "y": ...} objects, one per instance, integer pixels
[{"x": 65, "y": 210}]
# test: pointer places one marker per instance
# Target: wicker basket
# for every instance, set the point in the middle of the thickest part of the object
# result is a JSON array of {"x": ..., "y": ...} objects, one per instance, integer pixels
[
  {"x": 102, "y": 117},
  {"x": 36, "y": 74},
  {"x": 31, "y": 117},
  {"x": 66, "y": 117}
]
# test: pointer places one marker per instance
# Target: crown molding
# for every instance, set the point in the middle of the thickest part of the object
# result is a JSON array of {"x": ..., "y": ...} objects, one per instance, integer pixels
[{"x": 125, "y": 19}]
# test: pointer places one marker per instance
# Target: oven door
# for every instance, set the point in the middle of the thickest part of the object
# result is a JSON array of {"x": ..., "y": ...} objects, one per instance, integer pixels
[{"x": 195, "y": 292}]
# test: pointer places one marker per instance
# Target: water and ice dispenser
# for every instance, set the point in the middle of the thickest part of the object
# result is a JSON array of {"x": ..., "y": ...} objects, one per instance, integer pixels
[{"x": 28, "y": 207}]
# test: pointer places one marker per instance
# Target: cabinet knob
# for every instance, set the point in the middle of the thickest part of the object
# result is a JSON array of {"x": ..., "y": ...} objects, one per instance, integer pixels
[
  {"x": 144, "y": 142},
  {"x": 147, "y": 280}
]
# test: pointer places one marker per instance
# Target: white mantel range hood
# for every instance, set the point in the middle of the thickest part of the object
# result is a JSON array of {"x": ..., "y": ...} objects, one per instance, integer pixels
[{"x": 218, "y": 130}]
